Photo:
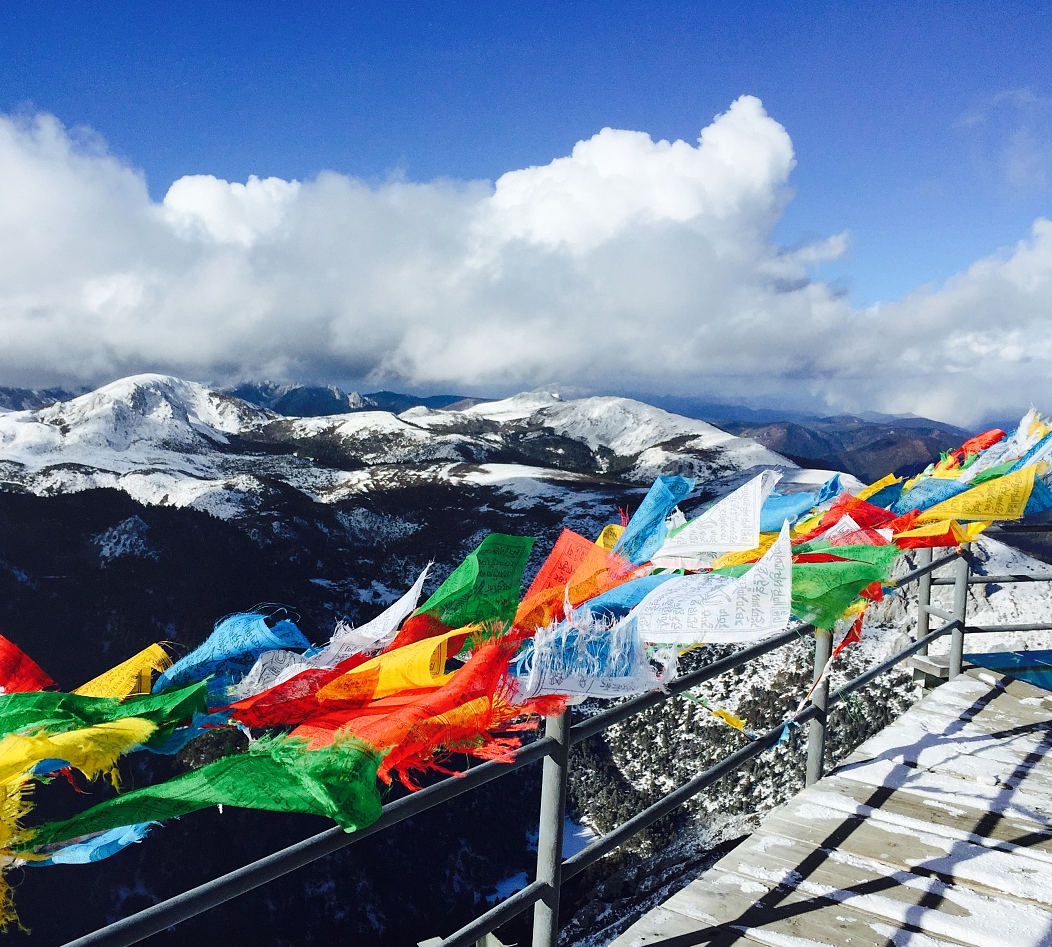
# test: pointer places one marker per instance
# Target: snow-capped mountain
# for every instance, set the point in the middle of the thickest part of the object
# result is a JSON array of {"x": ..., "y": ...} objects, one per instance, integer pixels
[
  {"x": 130, "y": 423},
  {"x": 625, "y": 437},
  {"x": 171, "y": 442}
]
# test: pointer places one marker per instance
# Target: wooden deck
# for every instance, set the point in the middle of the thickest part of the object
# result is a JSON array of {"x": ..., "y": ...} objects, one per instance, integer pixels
[{"x": 937, "y": 831}]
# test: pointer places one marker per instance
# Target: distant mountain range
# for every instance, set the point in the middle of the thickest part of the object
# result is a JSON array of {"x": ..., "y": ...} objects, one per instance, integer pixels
[
  {"x": 305, "y": 401},
  {"x": 171, "y": 442},
  {"x": 27, "y": 399},
  {"x": 311, "y": 401},
  {"x": 867, "y": 446},
  {"x": 867, "y": 449}
]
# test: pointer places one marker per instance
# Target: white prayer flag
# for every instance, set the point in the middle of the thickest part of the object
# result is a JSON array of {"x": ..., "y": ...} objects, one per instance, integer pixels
[
  {"x": 591, "y": 661},
  {"x": 706, "y": 608},
  {"x": 731, "y": 525}
]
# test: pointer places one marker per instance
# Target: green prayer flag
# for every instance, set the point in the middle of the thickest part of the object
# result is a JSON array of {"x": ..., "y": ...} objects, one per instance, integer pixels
[
  {"x": 883, "y": 557},
  {"x": 486, "y": 586},
  {"x": 59, "y": 712},
  {"x": 279, "y": 775},
  {"x": 992, "y": 473},
  {"x": 822, "y": 590}
]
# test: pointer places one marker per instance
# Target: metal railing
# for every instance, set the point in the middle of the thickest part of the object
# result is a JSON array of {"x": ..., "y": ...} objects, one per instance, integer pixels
[{"x": 561, "y": 733}]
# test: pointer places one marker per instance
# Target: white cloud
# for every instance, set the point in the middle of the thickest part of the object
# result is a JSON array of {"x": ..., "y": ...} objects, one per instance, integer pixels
[
  {"x": 228, "y": 213},
  {"x": 832, "y": 248},
  {"x": 620, "y": 178},
  {"x": 981, "y": 343},
  {"x": 628, "y": 265}
]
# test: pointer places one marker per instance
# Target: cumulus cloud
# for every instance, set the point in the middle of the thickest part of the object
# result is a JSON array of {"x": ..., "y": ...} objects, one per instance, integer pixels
[
  {"x": 628, "y": 265},
  {"x": 228, "y": 213},
  {"x": 981, "y": 343},
  {"x": 618, "y": 179}
]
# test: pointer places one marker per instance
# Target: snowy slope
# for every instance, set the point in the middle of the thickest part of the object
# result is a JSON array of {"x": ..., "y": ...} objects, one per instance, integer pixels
[
  {"x": 629, "y": 427},
  {"x": 988, "y": 604},
  {"x": 516, "y": 408},
  {"x": 628, "y": 438},
  {"x": 135, "y": 422},
  {"x": 372, "y": 437}
]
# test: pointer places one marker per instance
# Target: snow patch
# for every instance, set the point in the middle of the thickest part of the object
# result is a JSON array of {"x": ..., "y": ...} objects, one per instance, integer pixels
[
  {"x": 516, "y": 408},
  {"x": 127, "y": 538}
]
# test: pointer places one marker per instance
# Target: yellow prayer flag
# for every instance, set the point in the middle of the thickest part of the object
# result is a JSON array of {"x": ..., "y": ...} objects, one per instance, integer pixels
[
  {"x": 411, "y": 667},
  {"x": 856, "y": 608},
  {"x": 969, "y": 532},
  {"x": 751, "y": 555},
  {"x": 728, "y": 718},
  {"x": 806, "y": 526},
  {"x": 874, "y": 488},
  {"x": 1001, "y": 499},
  {"x": 129, "y": 677},
  {"x": 1038, "y": 427},
  {"x": 92, "y": 750},
  {"x": 962, "y": 532},
  {"x": 609, "y": 536}
]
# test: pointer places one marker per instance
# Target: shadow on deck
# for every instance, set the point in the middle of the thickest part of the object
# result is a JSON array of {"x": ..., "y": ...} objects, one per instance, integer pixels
[{"x": 937, "y": 831}]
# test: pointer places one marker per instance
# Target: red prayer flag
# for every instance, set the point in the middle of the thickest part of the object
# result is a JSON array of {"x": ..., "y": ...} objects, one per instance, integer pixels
[{"x": 18, "y": 671}]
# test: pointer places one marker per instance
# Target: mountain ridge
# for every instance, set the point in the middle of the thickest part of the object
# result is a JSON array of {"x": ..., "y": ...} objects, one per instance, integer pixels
[
  {"x": 867, "y": 445},
  {"x": 170, "y": 441}
]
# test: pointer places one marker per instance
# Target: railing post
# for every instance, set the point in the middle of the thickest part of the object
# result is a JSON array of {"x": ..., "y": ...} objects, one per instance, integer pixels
[
  {"x": 554, "y": 779},
  {"x": 962, "y": 569},
  {"x": 924, "y": 557},
  {"x": 816, "y": 734}
]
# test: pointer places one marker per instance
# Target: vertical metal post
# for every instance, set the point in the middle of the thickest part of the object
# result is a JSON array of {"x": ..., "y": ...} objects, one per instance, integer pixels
[
  {"x": 816, "y": 734},
  {"x": 554, "y": 780},
  {"x": 923, "y": 597},
  {"x": 962, "y": 569}
]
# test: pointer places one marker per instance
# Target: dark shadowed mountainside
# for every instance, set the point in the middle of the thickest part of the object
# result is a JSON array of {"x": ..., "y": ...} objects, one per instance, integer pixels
[{"x": 867, "y": 449}]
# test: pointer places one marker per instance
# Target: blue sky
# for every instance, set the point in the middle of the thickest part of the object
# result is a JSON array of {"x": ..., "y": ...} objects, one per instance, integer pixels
[
  {"x": 881, "y": 100},
  {"x": 923, "y": 131}
]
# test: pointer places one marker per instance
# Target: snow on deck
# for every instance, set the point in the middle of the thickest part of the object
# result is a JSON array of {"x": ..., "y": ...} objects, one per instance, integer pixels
[{"x": 935, "y": 832}]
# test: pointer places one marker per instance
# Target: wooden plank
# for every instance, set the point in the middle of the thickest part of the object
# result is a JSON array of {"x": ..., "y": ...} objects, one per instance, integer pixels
[
  {"x": 939, "y": 721},
  {"x": 988, "y": 694},
  {"x": 955, "y": 820},
  {"x": 1013, "y": 755},
  {"x": 755, "y": 913},
  {"x": 1005, "y": 715},
  {"x": 1023, "y": 722},
  {"x": 769, "y": 914},
  {"x": 663, "y": 924},
  {"x": 1034, "y": 805},
  {"x": 1008, "y": 758},
  {"x": 936, "y": 832},
  {"x": 999, "y": 873},
  {"x": 896, "y": 895}
]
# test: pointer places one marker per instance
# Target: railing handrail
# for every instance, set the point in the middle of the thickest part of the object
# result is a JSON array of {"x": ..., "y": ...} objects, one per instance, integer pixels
[{"x": 543, "y": 893}]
